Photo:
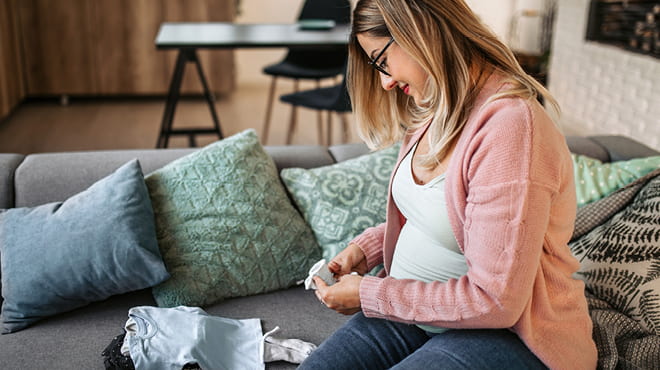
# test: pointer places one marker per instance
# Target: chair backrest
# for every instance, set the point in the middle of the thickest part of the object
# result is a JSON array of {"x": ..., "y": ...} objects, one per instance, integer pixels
[
  {"x": 343, "y": 101},
  {"x": 336, "y": 10}
]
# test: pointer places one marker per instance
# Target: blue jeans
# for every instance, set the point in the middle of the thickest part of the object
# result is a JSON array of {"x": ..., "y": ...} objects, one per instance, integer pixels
[{"x": 366, "y": 343}]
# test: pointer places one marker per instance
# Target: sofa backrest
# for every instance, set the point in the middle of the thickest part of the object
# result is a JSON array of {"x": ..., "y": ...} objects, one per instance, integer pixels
[
  {"x": 35, "y": 179},
  {"x": 50, "y": 177}
]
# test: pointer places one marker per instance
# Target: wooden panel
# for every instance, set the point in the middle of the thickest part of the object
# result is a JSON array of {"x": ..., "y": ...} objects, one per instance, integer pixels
[
  {"x": 218, "y": 65},
  {"x": 107, "y": 47},
  {"x": 11, "y": 82},
  {"x": 127, "y": 60},
  {"x": 57, "y": 46}
]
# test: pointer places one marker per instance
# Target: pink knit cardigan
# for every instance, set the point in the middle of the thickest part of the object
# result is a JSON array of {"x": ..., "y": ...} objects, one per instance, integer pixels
[{"x": 511, "y": 203}]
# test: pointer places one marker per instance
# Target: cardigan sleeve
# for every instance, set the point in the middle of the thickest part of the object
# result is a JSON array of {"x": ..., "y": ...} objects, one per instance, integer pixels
[{"x": 371, "y": 244}]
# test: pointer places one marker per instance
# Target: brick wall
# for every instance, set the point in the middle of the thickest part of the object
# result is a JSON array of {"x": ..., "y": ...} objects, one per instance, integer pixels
[{"x": 602, "y": 89}]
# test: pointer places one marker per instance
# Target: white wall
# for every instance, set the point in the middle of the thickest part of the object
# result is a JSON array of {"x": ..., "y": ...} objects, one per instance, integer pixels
[
  {"x": 602, "y": 89},
  {"x": 516, "y": 22},
  {"x": 496, "y": 14}
]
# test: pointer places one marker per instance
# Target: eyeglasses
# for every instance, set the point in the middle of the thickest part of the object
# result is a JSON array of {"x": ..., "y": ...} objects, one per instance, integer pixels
[{"x": 374, "y": 62}]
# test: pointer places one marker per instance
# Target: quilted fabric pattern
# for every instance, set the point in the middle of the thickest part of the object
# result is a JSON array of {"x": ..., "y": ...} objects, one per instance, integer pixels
[
  {"x": 341, "y": 200},
  {"x": 620, "y": 259},
  {"x": 225, "y": 225},
  {"x": 594, "y": 214}
]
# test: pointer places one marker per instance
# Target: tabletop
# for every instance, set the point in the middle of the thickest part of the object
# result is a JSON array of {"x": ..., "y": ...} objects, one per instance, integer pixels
[{"x": 177, "y": 35}]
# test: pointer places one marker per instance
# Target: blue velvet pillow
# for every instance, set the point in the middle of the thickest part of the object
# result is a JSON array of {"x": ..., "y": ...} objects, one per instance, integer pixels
[{"x": 64, "y": 255}]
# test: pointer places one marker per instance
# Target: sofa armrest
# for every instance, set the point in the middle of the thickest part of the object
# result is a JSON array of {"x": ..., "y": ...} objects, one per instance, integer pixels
[
  {"x": 8, "y": 165},
  {"x": 621, "y": 148},
  {"x": 609, "y": 148}
]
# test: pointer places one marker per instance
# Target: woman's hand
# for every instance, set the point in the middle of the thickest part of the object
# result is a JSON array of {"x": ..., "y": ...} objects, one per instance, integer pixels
[
  {"x": 343, "y": 296},
  {"x": 351, "y": 259}
]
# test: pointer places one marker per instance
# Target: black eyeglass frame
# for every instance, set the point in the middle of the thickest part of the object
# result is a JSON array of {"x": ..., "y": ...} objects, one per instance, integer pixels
[{"x": 374, "y": 62}]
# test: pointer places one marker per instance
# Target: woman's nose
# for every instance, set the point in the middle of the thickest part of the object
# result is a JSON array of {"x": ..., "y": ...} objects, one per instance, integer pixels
[{"x": 387, "y": 82}]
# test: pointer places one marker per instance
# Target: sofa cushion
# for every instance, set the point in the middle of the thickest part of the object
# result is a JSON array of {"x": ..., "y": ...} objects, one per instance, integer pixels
[
  {"x": 225, "y": 225},
  {"x": 595, "y": 179},
  {"x": 619, "y": 258},
  {"x": 74, "y": 340},
  {"x": 341, "y": 200},
  {"x": 64, "y": 255}
]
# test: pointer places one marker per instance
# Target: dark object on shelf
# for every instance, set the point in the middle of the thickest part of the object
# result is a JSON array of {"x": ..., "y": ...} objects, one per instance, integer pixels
[
  {"x": 535, "y": 66},
  {"x": 633, "y": 24}
]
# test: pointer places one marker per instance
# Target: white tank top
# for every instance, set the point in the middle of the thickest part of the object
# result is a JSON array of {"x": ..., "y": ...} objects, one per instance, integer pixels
[{"x": 426, "y": 249}]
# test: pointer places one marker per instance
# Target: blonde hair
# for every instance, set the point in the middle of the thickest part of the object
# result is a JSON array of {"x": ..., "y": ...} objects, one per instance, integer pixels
[{"x": 448, "y": 41}]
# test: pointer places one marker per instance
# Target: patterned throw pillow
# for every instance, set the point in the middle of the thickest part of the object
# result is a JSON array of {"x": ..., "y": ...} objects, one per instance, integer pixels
[
  {"x": 620, "y": 259},
  {"x": 595, "y": 179},
  {"x": 342, "y": 200},
  {"x": 226, "y": 226}
]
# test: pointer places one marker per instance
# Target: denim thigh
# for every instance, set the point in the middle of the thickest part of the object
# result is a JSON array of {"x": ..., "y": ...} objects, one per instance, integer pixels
[
  {"x": 368, "y": 343},
  {"x": 473, "y": 349}
]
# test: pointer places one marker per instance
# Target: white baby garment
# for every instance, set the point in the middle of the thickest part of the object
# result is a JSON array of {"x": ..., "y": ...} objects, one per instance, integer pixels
[{"x": 168, "y": 338}]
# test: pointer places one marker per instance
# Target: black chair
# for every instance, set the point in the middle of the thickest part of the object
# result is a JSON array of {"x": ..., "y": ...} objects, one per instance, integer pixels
[
  {"x": 310, "y": 64},
  {"x": 331, "y": 99}
]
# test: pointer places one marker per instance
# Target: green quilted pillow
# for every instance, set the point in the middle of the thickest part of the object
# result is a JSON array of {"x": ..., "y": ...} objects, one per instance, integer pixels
[
  {"x": 225, "y": 225},
  {"x": 341, "y": 200},
  {"x": 595, "y": 179}
]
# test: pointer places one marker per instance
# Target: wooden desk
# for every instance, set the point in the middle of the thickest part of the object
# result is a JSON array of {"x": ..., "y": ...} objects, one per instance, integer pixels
[{"x": 188, "y": 37}]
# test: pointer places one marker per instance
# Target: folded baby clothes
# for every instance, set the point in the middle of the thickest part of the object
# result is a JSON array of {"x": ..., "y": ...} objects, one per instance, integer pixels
[
  {"x": 171, "y": 338},
  {"x": 168, "y": 338}
]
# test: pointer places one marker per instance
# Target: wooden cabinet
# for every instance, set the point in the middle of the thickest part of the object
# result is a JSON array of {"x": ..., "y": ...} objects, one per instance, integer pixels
[
  {"x": 11, "y": 83},
  {"x": 106, "y": 47},
  {"x": 57, "y": 46}
]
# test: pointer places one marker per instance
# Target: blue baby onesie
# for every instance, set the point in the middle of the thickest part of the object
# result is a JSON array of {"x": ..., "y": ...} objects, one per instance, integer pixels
[{"x": 169, "y": 338}]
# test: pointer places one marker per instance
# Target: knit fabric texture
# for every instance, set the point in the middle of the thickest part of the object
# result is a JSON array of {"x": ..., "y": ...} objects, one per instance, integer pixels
[{"x": 225, "y": 225}]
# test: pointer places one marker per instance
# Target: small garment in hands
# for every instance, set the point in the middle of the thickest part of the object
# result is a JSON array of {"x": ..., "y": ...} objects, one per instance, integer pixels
[{"x": 321, "y": 270}]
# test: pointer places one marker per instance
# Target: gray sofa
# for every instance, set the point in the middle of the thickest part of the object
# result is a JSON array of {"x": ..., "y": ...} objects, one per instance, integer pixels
[{"x": 74, "y": 340}]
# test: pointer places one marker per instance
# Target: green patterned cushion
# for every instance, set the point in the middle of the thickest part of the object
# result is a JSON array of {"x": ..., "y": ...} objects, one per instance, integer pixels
[
  {"x": 341, "y": 200},
  {"x": 225, "y": 225},
  {"x": 594, "y": 179}
]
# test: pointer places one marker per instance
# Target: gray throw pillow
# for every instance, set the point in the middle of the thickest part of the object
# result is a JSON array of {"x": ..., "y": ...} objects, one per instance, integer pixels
[
  {"x": 620, "y": 259},
  {"x": 60, "y": 256},
  {"x": 342, "y": 200},
  {"x": 226, "y": 226}
]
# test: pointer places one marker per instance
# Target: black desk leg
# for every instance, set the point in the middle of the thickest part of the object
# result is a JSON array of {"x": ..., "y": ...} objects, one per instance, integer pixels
[
  {"x": 185, "y": 56},
  {"x": 210, "y": 99},
  {"x": 172, "y": 100}
]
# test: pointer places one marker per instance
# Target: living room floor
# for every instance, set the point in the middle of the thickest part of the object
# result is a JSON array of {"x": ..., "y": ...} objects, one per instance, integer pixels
[{"x": 45, "y": 125}]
